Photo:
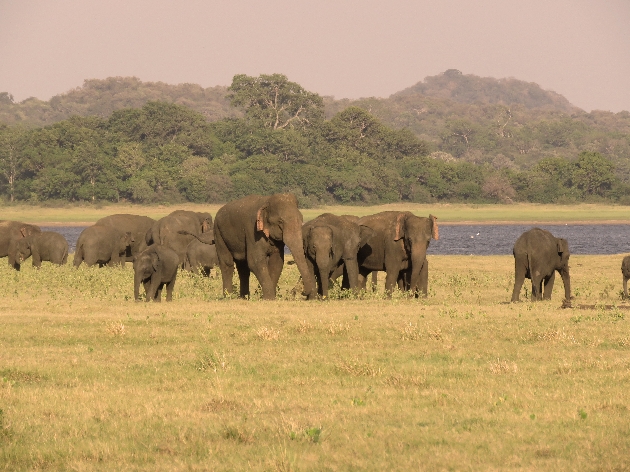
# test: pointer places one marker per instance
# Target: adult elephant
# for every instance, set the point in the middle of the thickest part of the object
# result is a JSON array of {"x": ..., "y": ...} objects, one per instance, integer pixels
[
  {"x": 102, "y": 245},
  {"x": 251, "y": 232},
  {"x": 137, "y": 225},
  {"x": 332, "y": 242},
  {"x": 177, "y": 230},
  {"x": 399, "y": 248},
  {"x": 538, "y": 254},
  {"x": 10, "y": 233}
]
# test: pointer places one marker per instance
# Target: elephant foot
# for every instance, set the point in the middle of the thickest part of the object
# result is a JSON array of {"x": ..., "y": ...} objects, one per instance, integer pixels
[{"x": 567, "y": 303}]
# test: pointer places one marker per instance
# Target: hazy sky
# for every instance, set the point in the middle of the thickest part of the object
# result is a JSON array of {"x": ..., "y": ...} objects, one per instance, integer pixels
[{"x": 344, "y": 48}]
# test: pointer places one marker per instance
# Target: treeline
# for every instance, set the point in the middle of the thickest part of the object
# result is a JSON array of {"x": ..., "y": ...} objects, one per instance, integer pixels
[{"x": 282, "y": 142}]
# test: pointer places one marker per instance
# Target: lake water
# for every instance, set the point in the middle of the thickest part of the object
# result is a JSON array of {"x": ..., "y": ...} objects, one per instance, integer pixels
[{"x": 489, "y": 239}]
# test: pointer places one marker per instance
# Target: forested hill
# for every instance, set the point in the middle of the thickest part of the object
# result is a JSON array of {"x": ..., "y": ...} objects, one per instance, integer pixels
[
  {"x": 468, "y": 88},
  {"x": 102, "y": 97},
  {"x": 452, "y": 137}
]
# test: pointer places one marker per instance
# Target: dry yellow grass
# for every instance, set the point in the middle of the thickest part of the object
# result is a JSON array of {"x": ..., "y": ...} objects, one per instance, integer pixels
[{"x": 463, "y": 380}]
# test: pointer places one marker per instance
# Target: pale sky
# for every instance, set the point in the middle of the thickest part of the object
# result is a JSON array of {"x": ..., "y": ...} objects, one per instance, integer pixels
[{"x": 348, "y": 49}]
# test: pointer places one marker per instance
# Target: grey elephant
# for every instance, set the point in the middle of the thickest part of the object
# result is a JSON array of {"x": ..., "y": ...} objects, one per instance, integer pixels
[
  {"x": 399, "y": 248},
  {"x": 201, "y": 254},
  {"x": 45, "y": 246},
  {"x": 137, "y": 225},
  {"x": 167, "y": 231},
  {"x": 155, "y": 267},
  {"x": 102, "y": 245},
  {"x": 538, "y": 254},
  {"x": 625, "y": 270},
  {"x": 251, "y": 233},
  {"x": 10, "y": 233},
  {"x": 332, "y": 242}
]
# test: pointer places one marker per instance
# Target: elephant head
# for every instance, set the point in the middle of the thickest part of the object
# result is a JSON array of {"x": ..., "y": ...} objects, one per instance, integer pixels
[
  {"x": 415, "y": 234},
  {"x": 280, "y": 220},
  {"x": 23, "y": 249},
  {"x": 124, "y": 242},
  {"x": 205, "y": 220},
  {"x": 144, "y": 265}
]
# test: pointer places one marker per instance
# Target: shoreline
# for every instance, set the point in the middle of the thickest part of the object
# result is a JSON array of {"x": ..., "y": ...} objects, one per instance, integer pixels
[{"x": 440, "y": 223}]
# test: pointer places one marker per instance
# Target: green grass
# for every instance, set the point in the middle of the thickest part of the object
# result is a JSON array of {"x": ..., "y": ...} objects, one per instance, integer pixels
[
  {"x": 462, "y": 380},
  {"x": 447, "y": 213}
]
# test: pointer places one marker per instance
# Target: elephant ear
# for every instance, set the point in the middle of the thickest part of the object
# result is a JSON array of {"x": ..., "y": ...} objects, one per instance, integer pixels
[
  {"x": 435, "y": 233},
  {"x": 205, "y": 225},
  {"x": 260, "y": 220},
  {"x": 563, "y": 246},
  {"x": 365, "y": 233},
  {"x": 24, "y": 231},
  {"x": 155, "y": 260},
  {"x": 400, "y": 226},
  {"x": 129, "y": 237}
]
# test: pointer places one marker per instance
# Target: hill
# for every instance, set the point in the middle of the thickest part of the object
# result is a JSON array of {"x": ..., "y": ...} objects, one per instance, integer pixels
[{"x": 102, "y": 97}]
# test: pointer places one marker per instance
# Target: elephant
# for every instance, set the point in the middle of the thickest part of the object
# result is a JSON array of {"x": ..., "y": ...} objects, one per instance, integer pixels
[
  {"x": 251, "y": 233},
  {"x": 625, "y": 270},
  {"x": 102, "y": 245},
  {"x": 155, "y": 267},
  {"x": 538, "y": 254},
  {"x": 45, "y": 246},
  {"x": 201, "y": 253},
  {"x": 10, "y": 233},
  {"x": 167, "y": 231},
  {"x": 330, "y": 242},
  {"x": 137, "y": 225},
  {"x": 399, "y": 248}
]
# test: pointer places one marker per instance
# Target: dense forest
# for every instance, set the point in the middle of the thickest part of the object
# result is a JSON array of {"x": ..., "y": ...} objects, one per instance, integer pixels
[{"x": 452, "y": 137}]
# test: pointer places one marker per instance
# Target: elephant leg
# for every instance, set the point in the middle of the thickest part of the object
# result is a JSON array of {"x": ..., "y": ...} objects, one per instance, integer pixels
[
  {"x": 169, "y": 289},
  {"x": 549, "y": 286},
  {"x": 423, "y": 284},
  {"x": 310, "y": 266},
  {"x": 401, "y": 281},
  {"x": 362, "y": 279},
  {"x": 374, "y": 280},
  {"x": 537, "y": 282},
  {"x": 625, "y": 286},
  {"x": 391, "y": 278},
  {"x": 155, "y": 287},
  {"x": 243, "y": 276},
  {"x": 260, "y": 268},
  {"x": 158, "y": 292},
  {"x": 276, "y": 263},
  {"x": 520, "y": 270},
  {"x": 148, "y": 296}
]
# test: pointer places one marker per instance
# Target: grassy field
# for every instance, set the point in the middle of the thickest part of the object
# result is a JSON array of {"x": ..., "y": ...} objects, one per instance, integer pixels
[
  {"x": 463, "y": 380},
  {"x": 447, "y": 213}
]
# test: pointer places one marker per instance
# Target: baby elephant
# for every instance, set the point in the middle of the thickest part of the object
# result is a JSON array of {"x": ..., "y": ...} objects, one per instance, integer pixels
[
  {"x": 45, "y": 246},
  {"x": 155, "y": 267},
  {"x": 625, "y": 270}
]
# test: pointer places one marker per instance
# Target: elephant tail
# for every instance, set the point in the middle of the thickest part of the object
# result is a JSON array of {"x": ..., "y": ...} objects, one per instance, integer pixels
[
  {"x": 64, "y": 259},
  {"x": 78, "y": 255}
]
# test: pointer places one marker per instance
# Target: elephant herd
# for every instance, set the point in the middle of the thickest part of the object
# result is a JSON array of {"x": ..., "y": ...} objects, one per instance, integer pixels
[{"x": 250, "y": 234}]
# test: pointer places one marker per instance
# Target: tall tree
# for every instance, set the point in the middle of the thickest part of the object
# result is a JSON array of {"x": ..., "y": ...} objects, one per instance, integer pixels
[
  {"x": 275, "y": 101},
  {"x": 10, "y": 156}
]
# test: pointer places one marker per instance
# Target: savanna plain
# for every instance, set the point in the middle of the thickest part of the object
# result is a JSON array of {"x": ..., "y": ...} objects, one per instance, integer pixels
[{"x": 461, "y": 380}]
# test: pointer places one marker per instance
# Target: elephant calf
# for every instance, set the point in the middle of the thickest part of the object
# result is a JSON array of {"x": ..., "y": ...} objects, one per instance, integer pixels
[
  {"x": 45, "y": 246},
  {"x": 538, "y": 254},
  {"x": 200, "y": 256},
  {"x": 625, "y": 270},
  {"x": 155, "y": 267}
]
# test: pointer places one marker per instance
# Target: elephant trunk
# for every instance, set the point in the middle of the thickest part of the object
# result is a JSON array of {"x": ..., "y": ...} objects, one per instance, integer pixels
[
  {"x": 137, "y": 279},
  {"x": 352, "y": 270},
  {"x": 417, "y": 261},
  {"x": 324, "y": 265},
  {"x": 297, "y": 250}
]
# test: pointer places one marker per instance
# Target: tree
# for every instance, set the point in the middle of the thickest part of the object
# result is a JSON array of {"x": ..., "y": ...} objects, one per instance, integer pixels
[
  {"x": 593, "y": 174},
  {"x": 275, "y": 101},
  {"x": 11, "y": 157}
]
